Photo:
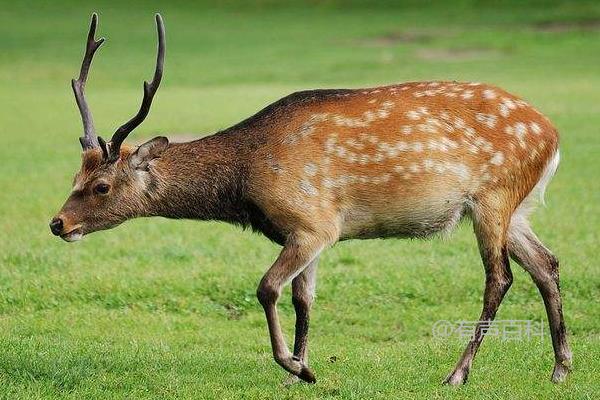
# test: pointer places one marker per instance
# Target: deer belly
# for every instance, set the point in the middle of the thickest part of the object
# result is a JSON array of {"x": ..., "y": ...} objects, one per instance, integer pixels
[{"x": 418, "y": 218}]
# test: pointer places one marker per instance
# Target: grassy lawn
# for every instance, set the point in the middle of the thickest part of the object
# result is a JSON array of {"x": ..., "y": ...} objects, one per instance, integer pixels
[{"x": 166, "y": 309}]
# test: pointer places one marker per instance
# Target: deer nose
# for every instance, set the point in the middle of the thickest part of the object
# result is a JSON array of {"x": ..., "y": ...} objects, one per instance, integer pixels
[{"x": 56, "y": 225}]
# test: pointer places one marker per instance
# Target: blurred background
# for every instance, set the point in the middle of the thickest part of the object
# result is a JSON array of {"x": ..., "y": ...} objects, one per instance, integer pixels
[{"x": 159, "y": 309}]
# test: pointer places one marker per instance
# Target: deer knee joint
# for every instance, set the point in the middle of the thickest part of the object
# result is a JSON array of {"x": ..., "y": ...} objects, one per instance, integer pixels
[
  {"x": 267, "y": 293},
  {"x": 302, "y": 301},
  {"x": 503, "y": 280}
]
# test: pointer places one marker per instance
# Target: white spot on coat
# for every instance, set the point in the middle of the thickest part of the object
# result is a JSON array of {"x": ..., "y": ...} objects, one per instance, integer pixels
[
  {"x": 310, "y": 169},
  {"x": 497, "y": 159},
  {"x": 467, "y": 94},
  {"x": 307, "y": 188},
  {"x": 402, "y": 146},
  {"x": 414, "y": 168},
  {"x": 459, "y": 123},
  {"x": 407, "y": 129},
  {"x": 520, "y": 128},
  {"x": 489, "y": 94},
  {"x": 328, "y": 183},
  {"x": 417, "y": 146},
  {"x": 487, "y": 119},
  {"x": 413, "y": 115}
]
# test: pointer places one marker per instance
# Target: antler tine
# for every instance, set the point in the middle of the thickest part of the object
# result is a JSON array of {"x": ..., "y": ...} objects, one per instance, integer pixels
[
  {"x": 89, "y": 139},
  {"x": 149, "y": 91}
]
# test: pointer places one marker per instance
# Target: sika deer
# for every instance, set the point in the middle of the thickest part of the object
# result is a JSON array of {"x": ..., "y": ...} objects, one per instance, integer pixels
[{"x": 316, "y": 167}]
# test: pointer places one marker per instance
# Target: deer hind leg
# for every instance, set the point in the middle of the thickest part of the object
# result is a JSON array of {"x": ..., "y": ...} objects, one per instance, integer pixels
[
  {"x": 526, "y": 249},
  {"x": 490, "y": 226},
  {"x": 303, "y": 293},
  {"x": 298, "y": 253}
]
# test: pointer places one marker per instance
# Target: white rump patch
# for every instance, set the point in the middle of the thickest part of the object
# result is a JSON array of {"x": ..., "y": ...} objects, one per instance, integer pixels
[
  {"x": 537, "y": 193},
  {"x": 549, "y": 171}
]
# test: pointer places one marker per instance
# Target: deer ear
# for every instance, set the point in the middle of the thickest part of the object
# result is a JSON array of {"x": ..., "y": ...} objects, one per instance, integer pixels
[{"x": 147, "y": 152}]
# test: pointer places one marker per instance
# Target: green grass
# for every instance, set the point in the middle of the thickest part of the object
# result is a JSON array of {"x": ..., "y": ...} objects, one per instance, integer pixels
[{"x": 166, "y": 309}]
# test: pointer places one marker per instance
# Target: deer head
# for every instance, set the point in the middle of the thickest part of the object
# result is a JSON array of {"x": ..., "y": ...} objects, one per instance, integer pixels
[{"x": 115, "y": 182}]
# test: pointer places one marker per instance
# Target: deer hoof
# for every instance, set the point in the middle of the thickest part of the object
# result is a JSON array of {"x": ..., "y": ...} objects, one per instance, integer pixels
[
  {"x": 295, "y": 366},
  {"x": 457, "y": 377},
  {"x": 307, "y": 375},
  {"x": 561, "y": 370}
]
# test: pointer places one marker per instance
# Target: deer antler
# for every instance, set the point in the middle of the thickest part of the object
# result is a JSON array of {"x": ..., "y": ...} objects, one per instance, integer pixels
[
  {"x": 89, "y": 139},
  {"x": 149, "y": 91}
]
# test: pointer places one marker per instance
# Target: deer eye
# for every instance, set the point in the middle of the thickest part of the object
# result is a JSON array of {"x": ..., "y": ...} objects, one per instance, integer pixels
[{"x": 102, "y": 188}]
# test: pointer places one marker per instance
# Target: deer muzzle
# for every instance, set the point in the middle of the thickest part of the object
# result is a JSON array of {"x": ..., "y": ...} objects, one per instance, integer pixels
[{"x": 68, "y": 232}]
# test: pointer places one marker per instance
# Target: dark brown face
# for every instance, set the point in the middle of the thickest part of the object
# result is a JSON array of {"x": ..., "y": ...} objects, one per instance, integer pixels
[{"x": 105, "y": 194}]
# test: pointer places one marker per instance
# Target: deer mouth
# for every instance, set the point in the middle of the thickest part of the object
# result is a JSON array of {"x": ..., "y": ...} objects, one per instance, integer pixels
[{"x": 73, "y": 235}]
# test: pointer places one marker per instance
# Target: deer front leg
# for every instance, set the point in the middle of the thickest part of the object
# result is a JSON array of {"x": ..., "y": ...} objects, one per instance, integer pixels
[
  {"x": 303, "y": 293},
  {"x": 297, "y": 254}
]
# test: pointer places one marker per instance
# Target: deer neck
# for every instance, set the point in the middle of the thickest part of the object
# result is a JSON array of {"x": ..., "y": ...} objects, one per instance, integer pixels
[{"x": 202, "y": 180}]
